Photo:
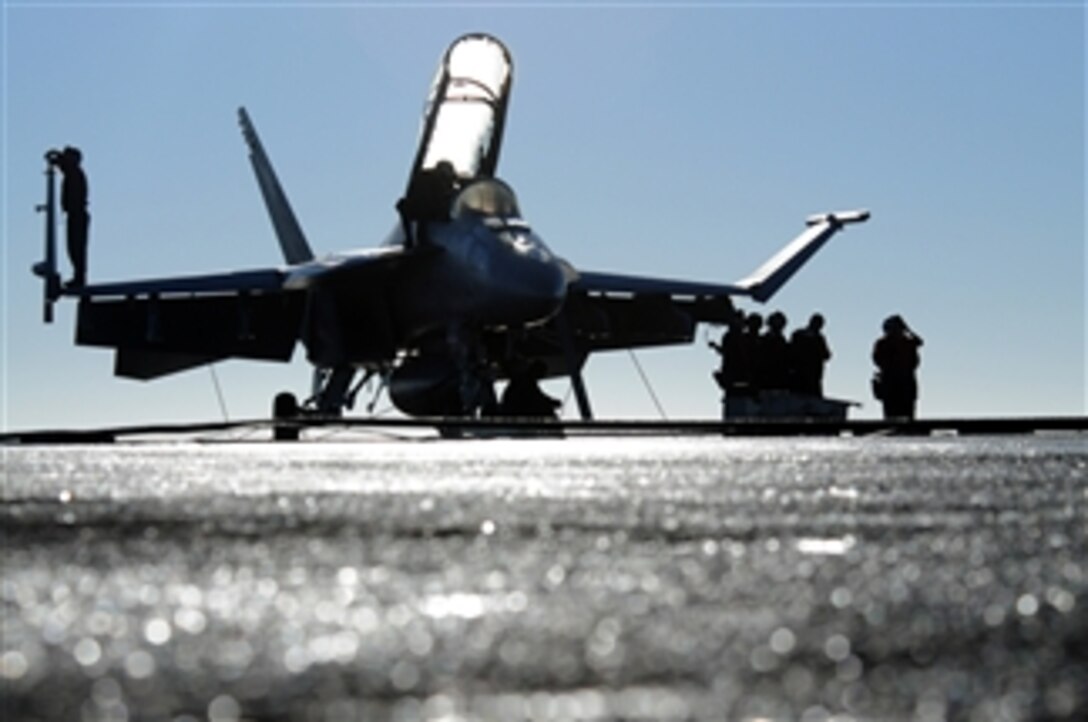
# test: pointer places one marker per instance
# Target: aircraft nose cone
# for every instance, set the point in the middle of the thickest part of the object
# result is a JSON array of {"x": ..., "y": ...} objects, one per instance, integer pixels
[
  {"x": 543, "y": 288},
  {"x": 534, "y": 283}
]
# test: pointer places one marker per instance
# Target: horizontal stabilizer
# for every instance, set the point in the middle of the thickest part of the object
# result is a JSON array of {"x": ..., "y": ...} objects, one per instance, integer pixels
[
  {"x": 292, "y": 240},
  {"x": 772, "y": 275}
]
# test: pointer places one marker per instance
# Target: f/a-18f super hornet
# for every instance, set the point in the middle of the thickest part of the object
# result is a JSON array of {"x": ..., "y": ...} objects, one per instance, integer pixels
[{"x": 461, "y": 295}]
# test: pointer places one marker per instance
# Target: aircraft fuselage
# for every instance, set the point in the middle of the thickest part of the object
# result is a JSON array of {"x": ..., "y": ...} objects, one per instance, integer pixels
[{"x": 490, "y": 271}]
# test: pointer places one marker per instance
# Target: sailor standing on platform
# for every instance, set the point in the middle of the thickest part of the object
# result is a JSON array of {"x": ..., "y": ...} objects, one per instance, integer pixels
[
  {"x": 429, "y": 196},
  {"x": 733, "y": 372},
  {"x": 73, "y": 199},
  {"x": 773, "y": 371},
  {"x": 810, "y": 355}
]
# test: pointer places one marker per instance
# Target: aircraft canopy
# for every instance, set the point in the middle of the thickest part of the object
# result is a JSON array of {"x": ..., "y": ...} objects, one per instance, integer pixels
[
  {"x": 466, "y": 110},
  {"x": 489, "y": 197}
]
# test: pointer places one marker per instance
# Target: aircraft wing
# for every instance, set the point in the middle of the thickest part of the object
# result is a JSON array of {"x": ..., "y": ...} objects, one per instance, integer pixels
[
  {"x": 162, "y": 326},
  {"x": 613, "y": 283},
  {"x": 610, "y": 311},
  {"x": 607, "y": 311},
  {"x": 235, "y": 282},
  {"x": 761, "y": 284},
  {"x": 165, "y": 325}
]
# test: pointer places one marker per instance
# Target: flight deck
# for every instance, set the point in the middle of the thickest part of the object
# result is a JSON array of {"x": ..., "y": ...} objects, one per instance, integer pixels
[{"x": 602, "y": 578}]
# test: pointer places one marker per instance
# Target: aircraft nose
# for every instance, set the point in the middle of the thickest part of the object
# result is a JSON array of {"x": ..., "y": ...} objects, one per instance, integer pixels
[
  {"x": 535, "y": 282},
  {"x": 543, "y": 288},
  {"x": 551, "y": 284}
]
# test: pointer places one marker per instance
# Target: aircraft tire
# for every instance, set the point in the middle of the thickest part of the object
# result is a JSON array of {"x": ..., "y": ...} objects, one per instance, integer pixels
[{"x": 285, "y": 408}]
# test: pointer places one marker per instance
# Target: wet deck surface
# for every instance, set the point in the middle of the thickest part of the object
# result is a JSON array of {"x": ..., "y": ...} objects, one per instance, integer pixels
[{"x": 587, "y": 579}]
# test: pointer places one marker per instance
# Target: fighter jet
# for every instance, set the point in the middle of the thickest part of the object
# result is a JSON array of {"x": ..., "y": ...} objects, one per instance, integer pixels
[{"x": 463, "y": 293}]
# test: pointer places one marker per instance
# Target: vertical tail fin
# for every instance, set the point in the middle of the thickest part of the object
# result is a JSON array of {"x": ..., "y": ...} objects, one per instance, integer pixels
[{"x": 288, "y": 231}]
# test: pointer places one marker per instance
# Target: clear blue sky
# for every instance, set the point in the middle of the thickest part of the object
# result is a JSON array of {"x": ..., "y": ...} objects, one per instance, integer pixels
[{"x": 688, "y": 142}]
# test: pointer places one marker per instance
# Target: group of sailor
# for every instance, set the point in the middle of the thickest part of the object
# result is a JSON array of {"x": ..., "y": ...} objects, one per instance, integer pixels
[
  {"x": 758, "y": 362},
  {"x": 756, "y": 357}
]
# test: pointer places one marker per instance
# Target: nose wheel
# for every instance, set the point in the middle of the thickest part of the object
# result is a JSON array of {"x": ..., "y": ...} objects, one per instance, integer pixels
[
  {"x": 285, "y": 415},
  {"x": 332, "y": 394}
]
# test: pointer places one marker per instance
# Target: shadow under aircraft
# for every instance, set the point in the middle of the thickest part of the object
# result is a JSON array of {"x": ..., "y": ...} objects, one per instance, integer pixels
[{"x": 461, "y": 295}]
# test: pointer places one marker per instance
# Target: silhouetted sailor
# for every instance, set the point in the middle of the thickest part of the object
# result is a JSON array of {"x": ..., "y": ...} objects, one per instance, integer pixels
[
  {"x": 751, "y": 350},
  {"x": 73, "y": 199},
  {"x": 430, "y": 193},
  {"x": 773, "y": 371},
  {"x": 733, "y": 373},
  {"x": 810, "y": 353},
  {"x": 896, "y": 357},
  {"x": 523, "y": 397}
]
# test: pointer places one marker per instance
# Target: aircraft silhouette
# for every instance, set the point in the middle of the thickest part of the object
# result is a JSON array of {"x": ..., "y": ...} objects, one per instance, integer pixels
[{"x": 460, "y": 295}]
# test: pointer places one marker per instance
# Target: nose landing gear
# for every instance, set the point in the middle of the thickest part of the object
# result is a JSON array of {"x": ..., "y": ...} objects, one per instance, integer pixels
[
  {"x": 332, "y": 393},
  {"x": 285, "y": 414}
]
